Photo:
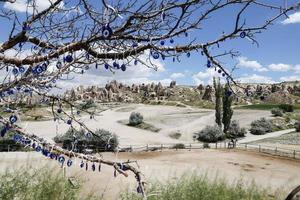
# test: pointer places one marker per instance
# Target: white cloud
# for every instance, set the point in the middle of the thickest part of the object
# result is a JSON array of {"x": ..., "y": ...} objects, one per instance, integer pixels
[
  {"x": 280, "y": 67},
  {"x": 177, "y": 75},
  {"x": 292, "y": 19},
  {"x": 296, "y": 68},
  {"x": 256, "y": 79},
  {"x": 23, "y": 5},
  {"x": 252, "y": 64},
  {"x": 205, "y": 77},
  {"x": 290, "y": 78}
]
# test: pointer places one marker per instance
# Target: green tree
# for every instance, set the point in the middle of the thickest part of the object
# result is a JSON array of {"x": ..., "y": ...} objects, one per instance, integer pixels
[
  {"x": 218, "y": 103},
  {"x": 227, "y": 110}
]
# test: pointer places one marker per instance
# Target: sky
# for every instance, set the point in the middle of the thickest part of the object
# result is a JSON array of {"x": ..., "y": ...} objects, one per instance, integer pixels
[{"x": 276, "y": 59}]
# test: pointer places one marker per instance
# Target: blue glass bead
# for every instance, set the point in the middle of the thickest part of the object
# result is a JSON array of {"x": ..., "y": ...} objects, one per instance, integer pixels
[
  {"x": 134, "y": 45},
  {"x": 61, "y": 159},
  {"x": 87, "y": 56},
  {"x": 123, "y": 67},
  {"x": 99, "y": 167},
  {"x": 243, "y": 34},
  {"x": 82, "y": 71},
  {"x": 58, "y": 65},
  {"x": 93, "y": 167},
  {"x": 52, "y": 156},
  {"x": 69, "y": 122},
  {"x": 188, "y": 54},
  {"x": 33, "y": 145},
  {"x": 38, "y": 148},
  {"x": 155, "y": 55},
  {"x": 223, "y": 74},
  {"x": 162, "y": 42},
  {"x": 87, "y": 67},
  {"x": 38, "y": 69},
  {"x": 163, "y": 57},
  {"x": 44, "y": 66},
  {"x": 45, "y": 152},
  {"x": 106, "y": 31},
  {"x": 26, "y": 27},
  {"x": 228, "y": 93},
  {"x": 89, "y": 135},
  {"x": 82, "y": 164},
  {"x": 69, "y": 58},
  {"x": 69, "y": 163},
  {"x": 59, "y": 110},
  {"x": 3, "y": 131},
  {"x": 96, "y": 66},
  {"x": 219, "y": 70},
  {"x": 15, "y": 71},
  {"x": 116, "y": 65},
  {"x": 171, "y": 41},
  {"x": 78, "y": 112},
  {"x": 186, "y": 34},
  {"x": 106, "y": 66},
  {"x": 174, "y": 59},
  {"x": 13, "y": 119},
  {"x": 208, "y": 64},
  {"x": 86, "y": 166},
  {"x": 136, "y": 62}
]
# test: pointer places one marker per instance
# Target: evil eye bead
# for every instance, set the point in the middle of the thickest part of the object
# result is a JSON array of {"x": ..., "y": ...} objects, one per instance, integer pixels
[
  {"x": 87, "y": 56},
  {"x": 13, "y": 119},
  {"x": 223, "y": 74},
  {"x": 39, "y": 69},
  {"x": 86, "y": 166},
  {"x": 134, "y": 45},
  {"x": 38, "y": 149},
  {"x": 155, "y": 55},
  {"x": 87, "y": 67},
  {"x": 123, "y": 67},
  {"x": 219, "y": 70},
  {"x": 26, "y": 27},
  {"x": 69, "y": 121},
  {"x": 106, "y": 66},
  {"x": 93, "y": 167},
  {"x": 45, "y": 152},
  {"x": 58, "y": 65},
  {"x": 171, "y": 41},
  {"x": 116, "y": 65},
  {"x": 174, "y": 59},
  {"x": 3, "y": 131},
  {"x": 186, "y": 34},
  {"x": 208, "y": 64},
  {"x": 44, "y": 67},
  {"x": 188, "y": 54},
  {"x": 89, "y": 135},
  {"x": 15, "y": 71},
  {"x": 61, "y": 159},
  {"x": 33, "y": 145},
  {"x": 162, "y": 42},
  {"x": 69, "y": 58},
  {"x": 228, "y": 93},
  {"x": 136, "y": 62},
  {"x": 96, "y": 66},
  {"x": 59, "y": 110},
  {"x": 22, "y": 69},
  {"x": 243, "y": 34},
  {"x": 106, "y": 31},
  {"x": 81, "y": 164},
  {"x": 78, "y": 112},
  {"x": 69, "y": 163},
  {"x": 139, "y": 189}
]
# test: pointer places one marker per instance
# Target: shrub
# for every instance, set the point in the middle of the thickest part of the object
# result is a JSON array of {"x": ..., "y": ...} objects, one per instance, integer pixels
[
  {"x": 286, "y": 107},
  {"x": 261, "y": 126},
  {"x": 87, "y": 104},
  {"x": 297, "y": 126},
  {"x": 277, "y": 112},
  {"x": 210, "y": 134},
  {"x": 135, "y": 118},
  {"x": 178, "y": 146},
  {"x": 235, "y": 130},
  {"x": 102, "y": 140},
  {"x": 206, "y": 145},
  {"x": 175, "y": 135}
]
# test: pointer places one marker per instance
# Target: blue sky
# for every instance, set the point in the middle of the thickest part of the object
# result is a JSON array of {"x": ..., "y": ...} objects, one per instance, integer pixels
[{"x": 275, "y": 60}]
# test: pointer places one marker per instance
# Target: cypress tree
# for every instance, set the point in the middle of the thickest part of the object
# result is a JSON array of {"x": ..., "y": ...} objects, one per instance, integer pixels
[
  {"x": 218, "y": 102},
  {"x": 227, "y": 110}
]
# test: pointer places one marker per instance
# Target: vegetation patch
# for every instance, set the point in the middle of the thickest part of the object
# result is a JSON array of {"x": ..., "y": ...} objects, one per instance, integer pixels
[
  {"x": 288, "y": 139},
  {"x": 210, "y": 134},
  {"x": 175, "y": 135},
  {"x": 146, "y": 126},
  {"x": 195, "y": 187}
]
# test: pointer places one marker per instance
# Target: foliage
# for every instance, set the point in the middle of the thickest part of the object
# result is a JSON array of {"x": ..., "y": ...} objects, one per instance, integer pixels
[
  {"x": 178, "y": 146},
  {"x": 297, "y": 126},
  {"x": 227, "y": 110},
  {"x": 135, "y": 118},
  {"x": 210, "y": 134},
  {"x": 235, "y": 131},
  {"x": 175, "y": 135},
  {"x": 102, "y": 140},
  {"x": 28, "y": 184},
  {"x": 218, "y": 102},
  {"x": 7, "y": 143},
  {"x": 261, "y": 126},
  {"x": 286, "y": 107},
  {"x": 277, "y": 112},
  {"x": 87, "y": 104},
  {"x": 195, "y": 187},
  {"x": 206, "y": 145}
]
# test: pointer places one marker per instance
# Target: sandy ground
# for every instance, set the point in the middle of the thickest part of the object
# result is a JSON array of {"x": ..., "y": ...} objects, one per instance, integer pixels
[
  {"x": 264, "y": 170},
  {"x": 169, "y": 119}
]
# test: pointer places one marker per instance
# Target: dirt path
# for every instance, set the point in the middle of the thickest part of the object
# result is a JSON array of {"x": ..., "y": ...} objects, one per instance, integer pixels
[{"x": 264, "y": 170}]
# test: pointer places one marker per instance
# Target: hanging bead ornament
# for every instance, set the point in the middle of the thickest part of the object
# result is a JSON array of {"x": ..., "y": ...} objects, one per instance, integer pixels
[
  {"x": 243, "y": 34},
  {"x": 99, "y": 167},
  {"x": 82, "y": 164},
  {"x": 106, "y": 66},
  {"x": 69, "y": 121},
  {"x": 3, "y": 131},
  {"x": 136, "y": 62},
  {"x": 93, "y": 167},
  {"x": 38, "y": 149},
  {"x": 58, "y": 65},
  {"x": 44, "y": 67},
  {"x": 86, "y": 166},
  {"x": 61, "y": 160},
  {"x": 174, "y": 59},
  {"x": 116, "y": 65},
  {"x": 163, "y": 57},
  {"x": 115, "y": 173},
  {"x": 68, "y": 58},
  {"x": 162, "y": 42},
  {"x": 171, "y": 41},
  {"x": 186, "y": 34},
  {"x": 228, "y": 93},
  {"x": 155, "y": 54},
  {"x": 96, "y": 66},
  {"x": 15, "y": 71},
  {"x": 208, "y": 64},
  {"x": 188, "y": 54},
  {"x": 21, "y": 69},
  {"x": 78, "y": 112},
  {"x": 219, "y": 70},
  {"x": 87, "y": 56},
  {"x": 123, "y": 67},
  {"x": 134, "y": 45},
  {"x": 26, "y": 27},
  {"x": 69, "y": 163},
  {"x": 13, "y": 119},
  {"x": 59, "y": 110},
  {"x": 106, "y": 31}
]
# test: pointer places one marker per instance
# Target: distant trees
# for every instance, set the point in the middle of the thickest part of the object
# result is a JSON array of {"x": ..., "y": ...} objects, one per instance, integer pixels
[{"x": 218, "y": 95}]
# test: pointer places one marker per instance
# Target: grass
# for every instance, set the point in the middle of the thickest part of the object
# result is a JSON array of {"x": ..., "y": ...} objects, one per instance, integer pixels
[
  {"x": 289, "y": 139},
  {"x": 146, "y": 126},
  {"x": 195, "y": 187},
  {"x": 43, "y": 183},
  {"x": 265, "y": 106}
]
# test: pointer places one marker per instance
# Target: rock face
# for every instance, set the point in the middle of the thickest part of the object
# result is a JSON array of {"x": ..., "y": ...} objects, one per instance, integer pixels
[{"x": 172, "y": 84}]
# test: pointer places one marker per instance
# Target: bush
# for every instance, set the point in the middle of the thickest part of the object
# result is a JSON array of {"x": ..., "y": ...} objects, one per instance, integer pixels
[
  {"x": 178, "y": 146},
  {"x": 102, "y": 141},
  {"x": 175, "y": 135},
  {"x": 261, "y": 127},
  {"x": 235, "y": 130},
  {"x": 206, "y": 145},
  {"x": 135, "y": 118},
  {"x": 87, "y": 104},
  {"x": 286, "y": 107},
  {"x": 210, "y": 134},
  {"x": 297, "y": 126},
  {"x": 277, "y": 112}
]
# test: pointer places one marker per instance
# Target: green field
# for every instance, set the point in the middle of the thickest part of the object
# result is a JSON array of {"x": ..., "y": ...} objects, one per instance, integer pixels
[{"x": 264, "y": 106}]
